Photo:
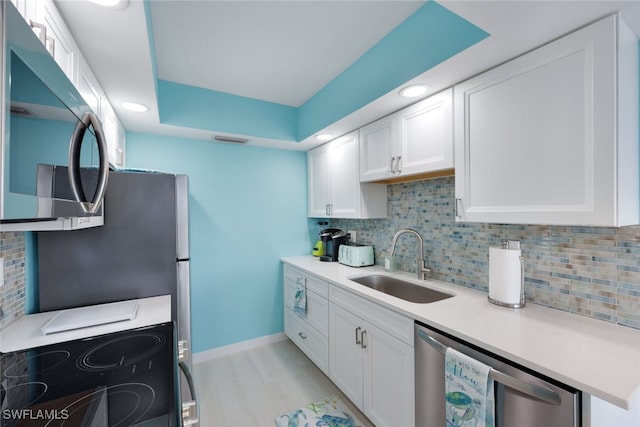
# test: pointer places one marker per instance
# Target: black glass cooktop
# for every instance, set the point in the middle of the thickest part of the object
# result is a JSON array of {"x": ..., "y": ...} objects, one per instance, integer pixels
[{"x": 122, "y": 379}]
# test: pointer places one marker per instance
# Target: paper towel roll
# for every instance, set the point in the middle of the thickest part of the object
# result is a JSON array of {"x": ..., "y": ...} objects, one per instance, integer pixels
[{"x": 505, "y": 275}]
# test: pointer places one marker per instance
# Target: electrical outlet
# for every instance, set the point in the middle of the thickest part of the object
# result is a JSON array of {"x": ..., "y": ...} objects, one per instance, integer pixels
[{"x": 353, "y": 235}]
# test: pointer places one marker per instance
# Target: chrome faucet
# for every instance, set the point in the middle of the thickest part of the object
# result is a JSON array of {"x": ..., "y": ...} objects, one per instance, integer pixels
[{"x": 422, "y": 270}]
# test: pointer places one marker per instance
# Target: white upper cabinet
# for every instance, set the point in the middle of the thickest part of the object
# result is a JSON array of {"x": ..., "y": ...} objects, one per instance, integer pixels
[
  {"x": 334, "y": 185},
  {"x": 551, "y": 137},
  {"x": 413, "y": 141},
  {"x": 121, "y": 148},
  {"x": 56, "y": 37},
  {"x": 88, "y": 85},
  {"x": 27, "y": 9},
  {"x": 426, "y": 135},
  {"x": 50, "y": 28},
  {"x": 376, "y": 148},
  {"x": 318, "y": 181},
  {"x": 114, "y": 134}
]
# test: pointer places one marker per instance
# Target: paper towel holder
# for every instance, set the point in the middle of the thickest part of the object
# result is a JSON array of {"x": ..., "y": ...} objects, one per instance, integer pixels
[{"x": 513, "y": 244}]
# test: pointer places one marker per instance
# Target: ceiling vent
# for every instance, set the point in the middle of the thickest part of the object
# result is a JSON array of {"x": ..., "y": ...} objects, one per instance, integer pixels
[
  {"x": 20, "y": 111},
  {"x": 234, "y": 139}
]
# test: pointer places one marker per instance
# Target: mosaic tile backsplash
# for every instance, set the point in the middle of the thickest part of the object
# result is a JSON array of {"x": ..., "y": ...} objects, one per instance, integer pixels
[
  {"x": 12, "y": 288},
  {"x": 591, "y": 271}
]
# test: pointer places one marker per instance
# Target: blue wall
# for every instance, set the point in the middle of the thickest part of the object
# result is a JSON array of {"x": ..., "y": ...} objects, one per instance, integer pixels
[
  {"x": 248, "y": 209},
  {"x": 375, "y": 73},
  {"x": 406, "y": 52}
]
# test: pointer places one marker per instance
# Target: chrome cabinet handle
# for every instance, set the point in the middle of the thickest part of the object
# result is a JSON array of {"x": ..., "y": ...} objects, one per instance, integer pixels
[
  {"x": 48, "y": 42},
  {"x": 74, "y": 163},
  {"x": 359, "y": 336},
  {"x": 50, "y": 45},
  {"x": 398, "y": 169},
  {"x": 457, "y": 209},
  {"x": 42, "y": 35},
  {"x": 119, "y": 156},
  {"x": 391, "y": 169},
  {"x": 301, "y": 335},
  {"x": 534, "y": 391},
  {"x": 362, "y": 339},
  {"x": 328, "y": 209}
]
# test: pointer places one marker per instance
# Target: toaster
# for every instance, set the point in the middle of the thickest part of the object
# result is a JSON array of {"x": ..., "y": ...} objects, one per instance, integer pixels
[{"x": 355, "y": 255}]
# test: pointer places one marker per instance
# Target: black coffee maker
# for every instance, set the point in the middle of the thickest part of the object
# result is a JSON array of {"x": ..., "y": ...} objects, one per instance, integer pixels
[{"x": 332, "y": 238}]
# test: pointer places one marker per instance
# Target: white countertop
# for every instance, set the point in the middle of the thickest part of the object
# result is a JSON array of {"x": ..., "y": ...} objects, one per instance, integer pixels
[
  {"x": 27, "y": 331},
  {"x": 599, "y": 358}
]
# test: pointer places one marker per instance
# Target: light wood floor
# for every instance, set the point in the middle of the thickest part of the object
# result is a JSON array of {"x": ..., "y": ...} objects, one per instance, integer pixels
[{"x": 252, "y": 388}]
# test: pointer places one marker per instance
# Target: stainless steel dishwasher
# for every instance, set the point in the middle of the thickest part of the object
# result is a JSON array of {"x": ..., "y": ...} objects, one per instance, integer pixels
[{"x": 522, "y": 398}]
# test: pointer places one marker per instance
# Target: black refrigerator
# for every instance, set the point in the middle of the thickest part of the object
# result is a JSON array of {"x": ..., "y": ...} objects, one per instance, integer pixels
[{"x": 142, "y": 250}]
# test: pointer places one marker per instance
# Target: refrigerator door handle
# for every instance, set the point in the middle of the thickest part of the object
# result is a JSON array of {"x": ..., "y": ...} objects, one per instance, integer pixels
[
  {"x": 533, "y": 391},
  {"x": 190, "y": 411},
  {"x": 75, "y": 144}
]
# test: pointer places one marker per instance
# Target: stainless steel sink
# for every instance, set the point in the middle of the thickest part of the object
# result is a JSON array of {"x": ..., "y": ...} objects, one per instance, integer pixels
[{"x": 401, "y": 289}]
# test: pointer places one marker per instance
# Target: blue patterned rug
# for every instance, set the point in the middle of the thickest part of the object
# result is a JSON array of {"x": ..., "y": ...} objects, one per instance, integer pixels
[{"x": 330, "y": 412}]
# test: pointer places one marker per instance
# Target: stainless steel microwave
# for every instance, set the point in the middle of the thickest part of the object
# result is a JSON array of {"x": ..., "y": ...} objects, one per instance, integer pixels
[{"x": 46, "y": 127}]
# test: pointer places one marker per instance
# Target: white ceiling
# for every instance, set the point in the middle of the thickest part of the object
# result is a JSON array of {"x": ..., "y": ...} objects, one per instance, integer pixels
[
  {"x": 285, "y": 51},
  {"x": 282, "y": 52}
]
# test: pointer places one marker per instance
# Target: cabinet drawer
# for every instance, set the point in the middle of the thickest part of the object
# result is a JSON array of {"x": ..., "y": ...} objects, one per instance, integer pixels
[
  {"x": 389, "y": 321},
  {"x": 313, "y": 284},
  {"x": 317, "y": 307},
  {"x": 310, "y": 341}
]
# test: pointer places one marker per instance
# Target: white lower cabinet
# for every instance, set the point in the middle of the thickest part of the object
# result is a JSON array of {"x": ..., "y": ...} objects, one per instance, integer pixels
[
  {"x": 308, "y": 332},
  {"x": 346, "y": 356},
  {"x": 365, "y": 349},
  {"x": 372, "y": 368},
  {"x": 598, "y": 413}
]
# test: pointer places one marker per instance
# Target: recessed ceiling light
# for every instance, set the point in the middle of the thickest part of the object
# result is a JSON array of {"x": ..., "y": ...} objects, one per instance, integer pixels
[
  {"x": 414, "y": 90},
  {"x": 112, "y": 4},
  {"x": 135, "y": 107},
  {"x": 323, "y": 137}
]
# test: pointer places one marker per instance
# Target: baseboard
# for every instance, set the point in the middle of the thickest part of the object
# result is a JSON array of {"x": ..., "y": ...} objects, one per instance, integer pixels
[{"x": 214, "y": 353}]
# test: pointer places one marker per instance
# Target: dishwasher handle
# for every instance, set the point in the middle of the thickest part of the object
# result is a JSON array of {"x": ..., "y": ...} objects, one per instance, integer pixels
[{"x": 532, "y": 390}]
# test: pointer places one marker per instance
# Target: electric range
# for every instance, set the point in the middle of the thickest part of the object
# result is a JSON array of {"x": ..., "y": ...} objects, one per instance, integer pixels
[{"x": 123, "y": 378}]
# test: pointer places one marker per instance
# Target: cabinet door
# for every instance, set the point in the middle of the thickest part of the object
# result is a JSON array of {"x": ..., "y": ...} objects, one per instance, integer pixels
[
  {"x": 345, "y": 355},
  {"x": 535, "y": 137},
  {"x": 308, "y": 339},
  {"x": 88, "y": 85},
  {"x": 318, "y": 185},
  {"x": 333, "y": 179},
  {"x": 426, "y": 135},
  {"x": 26, "y": 9},
  {"x": 121, "y": 149},
  {"x": 59, "y": 43},
  {"x": 376, "y": 155},
  {"x": 388, "y": 379},
  {"x": 344, "y": 177},
  {"x": 110, "y": 128}
]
